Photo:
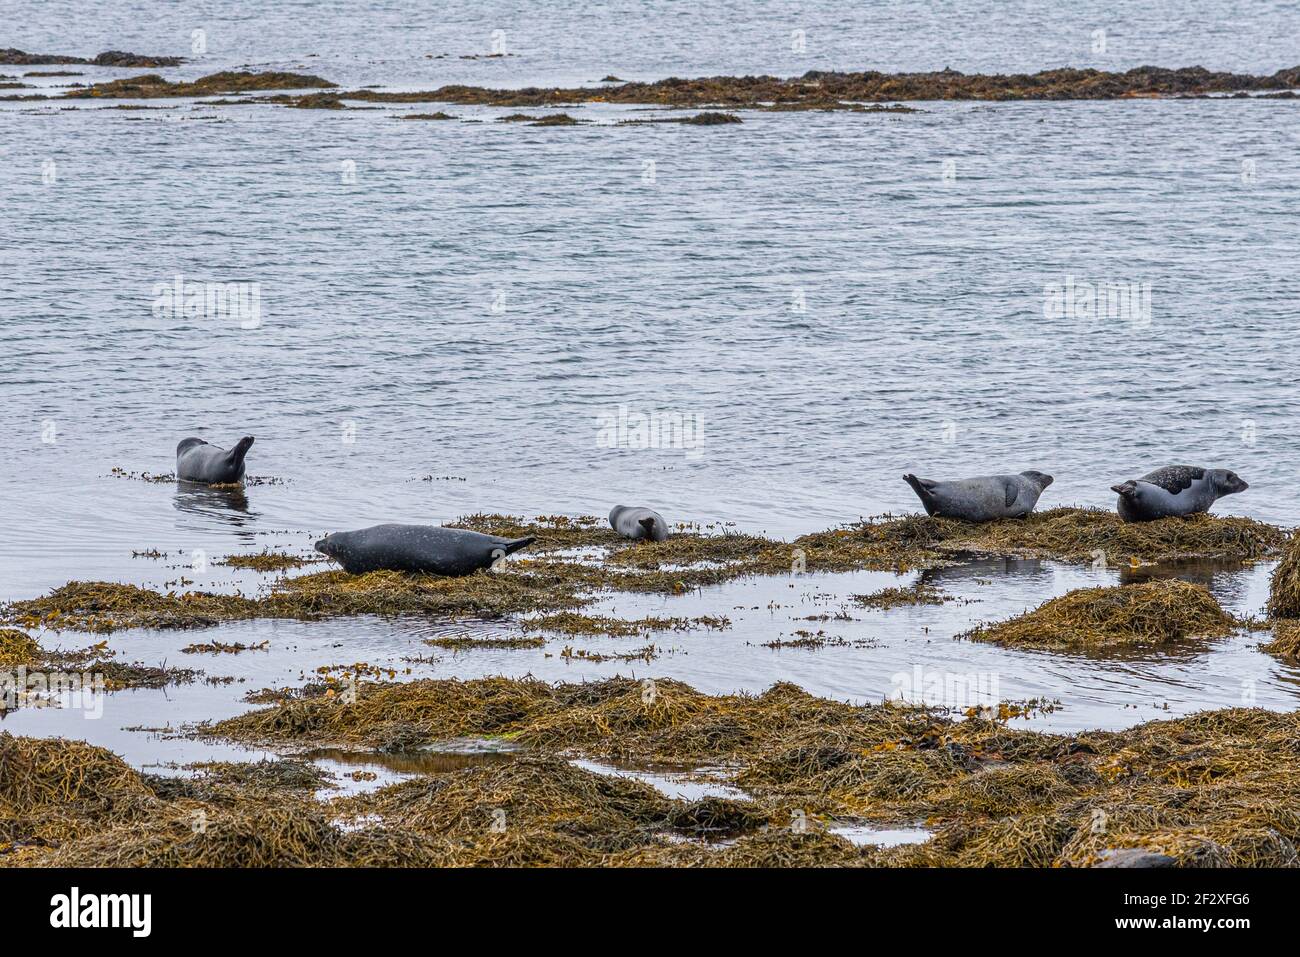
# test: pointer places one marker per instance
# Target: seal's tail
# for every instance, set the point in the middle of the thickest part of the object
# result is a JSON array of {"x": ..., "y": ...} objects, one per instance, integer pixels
[
  {"x": 241, "y": 449},
  {"x": 515, "y": 544}
]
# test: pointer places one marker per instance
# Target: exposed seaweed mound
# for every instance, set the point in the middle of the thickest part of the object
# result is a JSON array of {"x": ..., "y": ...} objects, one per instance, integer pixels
[
  {"x": 53, "y": 790},
  {"x": 267, "y": 561},
  {"x": 821, "y": 90},
  {"x": 152, "y": 86},
  {"x": 71, "y": 670},
  {"x": 17, "y": 648},
  {"x": 1087, "y": 535},
  {"x": 529, "y": 811},
  {"x": 116, "y": 58},
  {"x": 1284, "y": 589},
  {"x": 550, "y": 582},
  {"x": 1214, "y": 788},
  {"x": 1286, "y": 640},
  {"x": 108, "y": 606},
  {"x": 1114, "y": 616}
]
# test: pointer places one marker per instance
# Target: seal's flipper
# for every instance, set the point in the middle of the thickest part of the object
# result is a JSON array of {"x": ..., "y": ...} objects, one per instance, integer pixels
[
  {"x": 240, "y": 450},
  {"x": 919, "y": 485},
  {"x": 1013, "y": 493},
  {"x": 515, "y": 544}
]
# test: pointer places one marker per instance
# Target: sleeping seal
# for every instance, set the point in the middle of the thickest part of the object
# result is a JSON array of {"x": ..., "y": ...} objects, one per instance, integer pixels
[
  {"x": 984, "y": 499},
  {"x": 638, "y": 523},
  {"x": 1174, "y": 490},
  {"x": 417, "y": 548},
  {"x": 199, "y": 461}
]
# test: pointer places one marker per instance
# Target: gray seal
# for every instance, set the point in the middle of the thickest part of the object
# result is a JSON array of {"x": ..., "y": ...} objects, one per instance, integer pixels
[
  {"x": 418, "y": 548},
  {"x": 200, "y": 461},
  {"x": 1174, "y": 490},
  {"x": 632, "y": 522},
  {"x": 984, "y": 499}
]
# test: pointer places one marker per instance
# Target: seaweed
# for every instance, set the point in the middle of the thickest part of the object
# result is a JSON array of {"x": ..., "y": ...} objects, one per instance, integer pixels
[
  {"x": 1153, "y": 613},
  {"x": 115, "y": 58},
  {"x": 549, "y": 582},
  {"x": 821, "y": 90},
  {"x": 268, "y": 561},
  {"x": 152, "y": 86},
  {"x": 1284, "y": 587},
  {"x": 919, "y": 593}
]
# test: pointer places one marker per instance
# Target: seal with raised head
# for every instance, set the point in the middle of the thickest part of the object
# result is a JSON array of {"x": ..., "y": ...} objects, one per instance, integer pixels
[
  {"x": 983, "y": 499},
  {"x": 200, "y": 461},
  {"x": 431, "y": 549},
  {"x": 632, "y": 522},
  {"x": 1174, "y": 490}
]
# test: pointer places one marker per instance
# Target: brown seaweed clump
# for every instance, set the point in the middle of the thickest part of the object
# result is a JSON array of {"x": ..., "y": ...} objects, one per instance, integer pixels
[
  {"x": 1091, "y": 535},
  {"x": 151, "y": 86},
  {"x": 268, "y": 561},
  {"x": 1114, "y": 616},
  {"x": 919, "y": 593},
  {"x": 573, "y": 623},
  {"x": 109, "y": 58},
  {"x": 822, "y": 90},
  {"x": 83, "y": 668},
  {"x": 1284, "y": 588},
  {"x": 1286, "y": 640}
]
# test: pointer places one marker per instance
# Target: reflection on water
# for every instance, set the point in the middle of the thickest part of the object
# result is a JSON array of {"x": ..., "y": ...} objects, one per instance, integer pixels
[{"x": 228, "y": 505}]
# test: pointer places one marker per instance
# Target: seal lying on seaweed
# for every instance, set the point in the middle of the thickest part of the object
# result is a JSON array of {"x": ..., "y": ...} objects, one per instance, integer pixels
[
  {"x": 631, "y": 522},
  {"x": 984, "y": 499},
  {"x": 1174, "y": 490},
  {"x": 418, "y": 548}
]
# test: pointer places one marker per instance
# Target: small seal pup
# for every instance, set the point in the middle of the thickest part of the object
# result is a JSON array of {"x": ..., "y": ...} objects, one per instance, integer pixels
[
  {"x": 984, "y": 499},
  {"x": 417, "y": 548},
  {"x": 1174, "y": 490},
  {"x": 200, "y": 461},
  {"x": 633, "y": 522}
]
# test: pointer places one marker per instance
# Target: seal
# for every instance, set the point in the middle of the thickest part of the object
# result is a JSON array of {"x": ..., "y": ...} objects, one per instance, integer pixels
[
  {"x": 631, "y": 522},
  {"x": 1174, "y": 490},
  {"x": 431, "y": 549},
  {"x": 200, "y": 461},
  {"x": 984, "y": 499}
]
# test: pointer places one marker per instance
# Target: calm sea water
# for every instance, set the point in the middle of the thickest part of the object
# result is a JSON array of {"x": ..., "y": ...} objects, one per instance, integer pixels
[{"x": 828, "y": 301}]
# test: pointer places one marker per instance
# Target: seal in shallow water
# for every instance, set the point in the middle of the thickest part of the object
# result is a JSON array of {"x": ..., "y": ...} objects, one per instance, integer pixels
[
  {"x": 984, "y": 499},
  {"x": 417, "y": 548},
  {"x": 200, "y": 461},
  {"x": 633, "y": 522},
  {"x": 1174, "y": 490}
]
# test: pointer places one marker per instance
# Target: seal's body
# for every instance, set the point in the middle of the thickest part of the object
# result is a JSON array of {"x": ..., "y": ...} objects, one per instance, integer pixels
[
  {"x": 417, "y": 548},
  {"x": 633, "y": 522},
  {"x": 1174, "y": 490},
  {"x": 200, "y": 461},
  {"x": 984, "y": 499}
]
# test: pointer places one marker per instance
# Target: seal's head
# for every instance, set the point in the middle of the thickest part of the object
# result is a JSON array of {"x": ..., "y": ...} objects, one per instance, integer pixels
[
  {"x": 1226, "y": 481},
  {"x": 1042, "y": 478},
  {"x": 327, "y": 547}
]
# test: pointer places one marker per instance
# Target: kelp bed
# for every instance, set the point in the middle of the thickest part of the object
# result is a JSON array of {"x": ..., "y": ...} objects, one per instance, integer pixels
[
  {"x": 1153, "y": 613},
  {"x": 546, "y": 580},
  {"x": 20, "y": 650},
  {"x": 814, "y": 90},
  {"x": 1218, "y": 788}
]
